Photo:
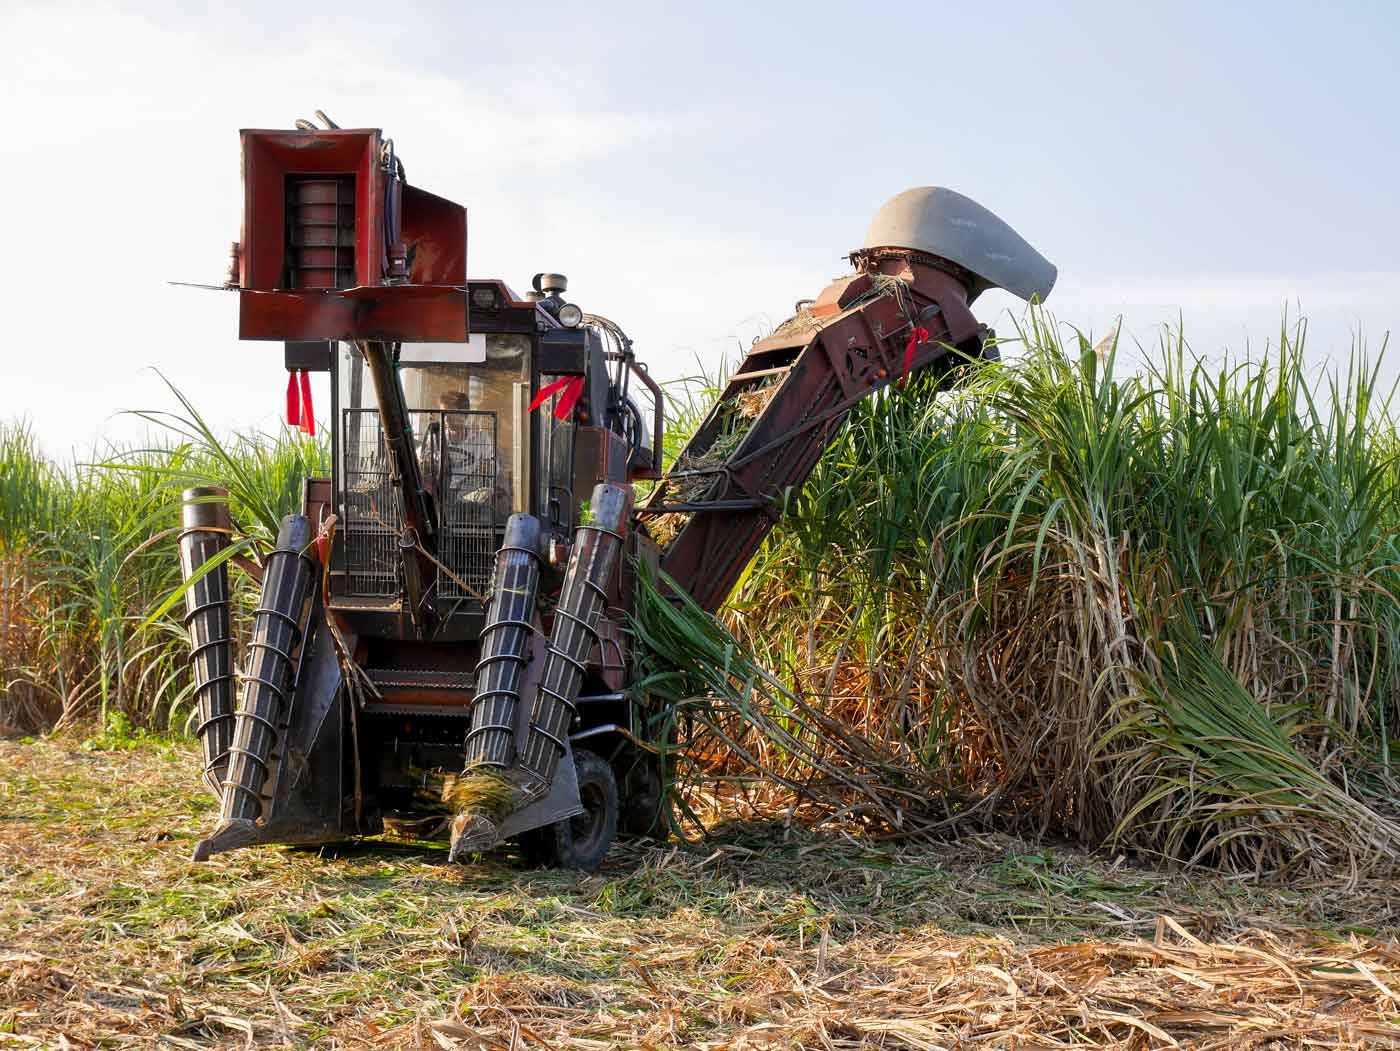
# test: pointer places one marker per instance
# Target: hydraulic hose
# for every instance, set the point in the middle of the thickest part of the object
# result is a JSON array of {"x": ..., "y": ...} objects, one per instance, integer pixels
[{"x": 418, "y": 537}]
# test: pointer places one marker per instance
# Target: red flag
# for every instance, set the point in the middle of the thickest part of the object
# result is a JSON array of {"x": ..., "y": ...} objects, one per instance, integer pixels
[
  {"x": 572, "y": 386},
  {"x": 918, "y": 336},
  {"x": 293, "y": 401},
  {"x": 308, "y": 415},
  {"x": 569, "y": 399}
]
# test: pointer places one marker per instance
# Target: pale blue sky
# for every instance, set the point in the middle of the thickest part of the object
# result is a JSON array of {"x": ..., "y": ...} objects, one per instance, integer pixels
[{"x": 697, "y": 168}]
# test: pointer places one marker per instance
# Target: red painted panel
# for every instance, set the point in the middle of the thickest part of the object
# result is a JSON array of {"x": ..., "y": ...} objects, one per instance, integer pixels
[
  {"x": 435, "y": 235},
  {"x": 269, "y": 157},
  {"x": 392, "y": 313}
]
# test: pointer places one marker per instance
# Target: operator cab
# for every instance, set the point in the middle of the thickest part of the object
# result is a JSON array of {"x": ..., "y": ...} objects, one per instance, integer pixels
[{"x": 483, "y": 454}]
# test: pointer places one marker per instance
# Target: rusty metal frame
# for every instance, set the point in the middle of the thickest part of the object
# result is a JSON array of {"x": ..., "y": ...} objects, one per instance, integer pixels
[{"x": 854, "y": 347}]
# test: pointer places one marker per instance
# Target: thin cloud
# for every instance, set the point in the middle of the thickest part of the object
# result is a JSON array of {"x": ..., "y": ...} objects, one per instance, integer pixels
[
  {"x": 1241, "y": 291},
  {"x": 86, "y": 74}
]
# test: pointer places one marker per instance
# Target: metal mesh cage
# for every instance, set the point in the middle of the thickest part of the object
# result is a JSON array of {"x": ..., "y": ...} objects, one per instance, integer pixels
[
  {"x": 458, "y": 458},
  {"x": 458, "y": 454},
  {"x": 371, "y": 525}
]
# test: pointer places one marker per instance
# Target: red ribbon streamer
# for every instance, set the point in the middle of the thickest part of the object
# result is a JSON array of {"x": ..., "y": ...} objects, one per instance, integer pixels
[
  {"x": 572, "y": 386},
  {"x": 299, "y": 410},
  {"x": 308, "y": 414},
  {"x": 919, "y": 335},
  {"x": 293, "y": 401},
  {"x": 323, "y": 541}
]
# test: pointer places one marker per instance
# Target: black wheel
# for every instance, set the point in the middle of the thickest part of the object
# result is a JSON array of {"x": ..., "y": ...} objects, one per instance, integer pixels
[
  {"x": 644, "y": 810},
  {"x": 580, "y": 842},
  {"x": 537, "y": 846}
]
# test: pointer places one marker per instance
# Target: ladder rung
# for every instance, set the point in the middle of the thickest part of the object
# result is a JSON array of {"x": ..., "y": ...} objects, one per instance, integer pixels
[
  {"x": 760, "y": 373},
  {"x": 698, "y": 472},
  {"x": 702, "y": 505}
]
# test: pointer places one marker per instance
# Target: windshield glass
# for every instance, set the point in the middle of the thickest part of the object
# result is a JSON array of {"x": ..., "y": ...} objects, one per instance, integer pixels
[{"x": 469, "y": 422}]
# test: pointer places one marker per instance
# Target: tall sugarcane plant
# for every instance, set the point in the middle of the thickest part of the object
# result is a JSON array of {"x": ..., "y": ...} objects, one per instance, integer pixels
[
  {"x": 1126, "y": 592},
  {"x": 1133, "y": 594},
  {"x": 90, "y": 570}
]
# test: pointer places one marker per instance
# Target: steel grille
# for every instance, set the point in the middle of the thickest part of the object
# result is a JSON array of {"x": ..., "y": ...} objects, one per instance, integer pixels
[
  {"x": 371, "y": 518},
  {"x": 458, "y": 457},
  {"x": 320, "y": 250},
  {"x": 459, "y": 465}
]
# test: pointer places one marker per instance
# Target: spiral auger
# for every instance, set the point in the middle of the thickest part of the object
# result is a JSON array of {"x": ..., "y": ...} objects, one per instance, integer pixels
[
  {"x": 490, "y": 789},
  {"x": 575, "y": 630},
  {"x": 269, "y": 680},
  {"x": 505, "y": 646},
  {"x": 205, "y": 536}
]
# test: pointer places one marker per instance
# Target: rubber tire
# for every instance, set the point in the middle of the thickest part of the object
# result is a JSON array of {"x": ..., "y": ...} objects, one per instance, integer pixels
[
  {"x": 645, "y": 807},
  {"x": 579, "y": 843}
]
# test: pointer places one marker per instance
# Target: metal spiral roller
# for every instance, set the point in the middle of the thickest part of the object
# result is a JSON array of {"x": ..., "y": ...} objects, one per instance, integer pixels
[
  {"x": 205, "y": 535},
  {"x": 505, "y": 645},
  {"x": 574, "y": 633},
  {"x": 270, "y": 672}
]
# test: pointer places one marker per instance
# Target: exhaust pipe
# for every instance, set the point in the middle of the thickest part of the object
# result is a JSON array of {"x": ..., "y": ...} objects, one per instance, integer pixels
[
  {"x": 575, "y": 630},
  {"x": 269, "y": 680},
  {"x": 505, "y": 645},
  {"x": 205, "y": 534}
]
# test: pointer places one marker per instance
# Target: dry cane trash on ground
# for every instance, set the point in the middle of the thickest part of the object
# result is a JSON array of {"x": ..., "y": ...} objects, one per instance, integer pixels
[{"x": 768, "y": 936}]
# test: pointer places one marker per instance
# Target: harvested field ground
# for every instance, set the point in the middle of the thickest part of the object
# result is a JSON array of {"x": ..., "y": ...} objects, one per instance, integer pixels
[{"x": 110, "y": 937}]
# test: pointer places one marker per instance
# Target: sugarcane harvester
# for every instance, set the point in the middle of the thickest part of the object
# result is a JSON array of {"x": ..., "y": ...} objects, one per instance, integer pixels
[{"x": 456, "y": 596}]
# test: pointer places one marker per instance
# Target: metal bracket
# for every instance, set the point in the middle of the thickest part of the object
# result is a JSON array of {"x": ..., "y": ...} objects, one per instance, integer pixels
[{"x": 561, "y": 803}]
